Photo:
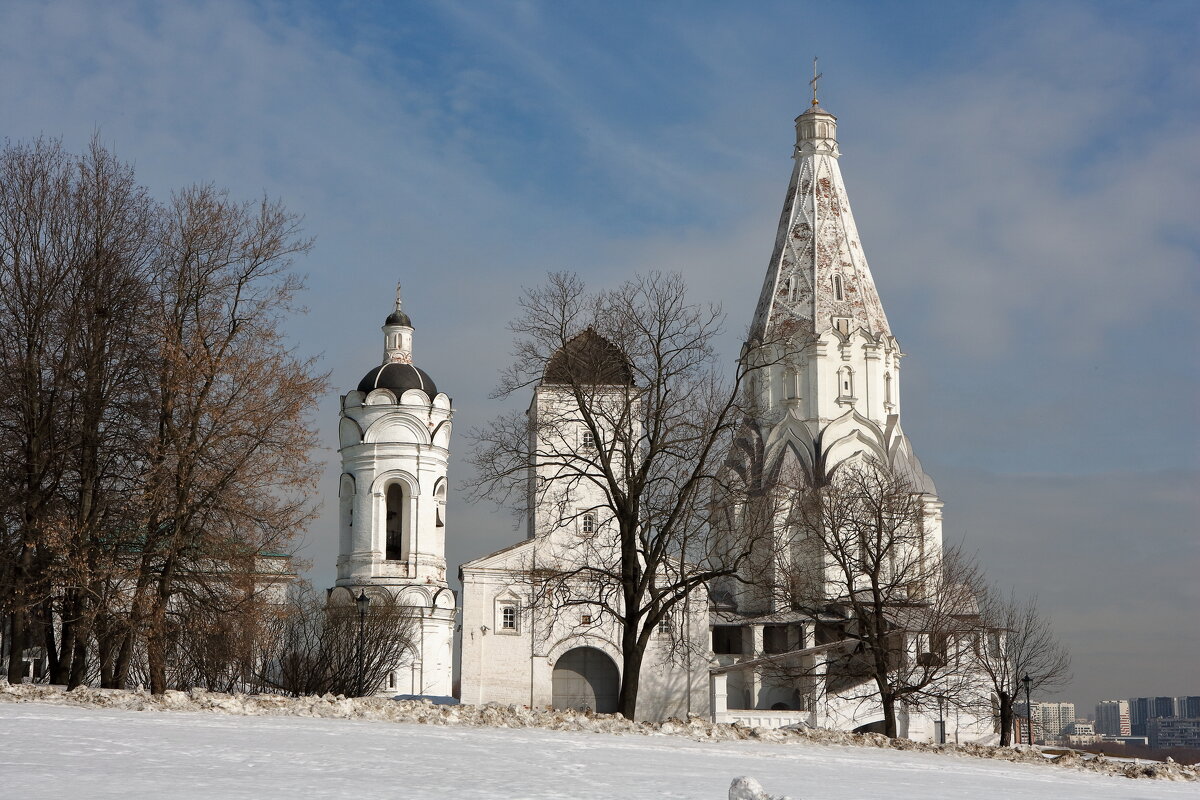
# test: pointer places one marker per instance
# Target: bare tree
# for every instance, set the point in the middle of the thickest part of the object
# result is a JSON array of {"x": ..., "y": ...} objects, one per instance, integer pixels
[
  {"x": 1017, "y": 641},
  {"x": 154, "y": 430},
  {"x": 624, "y": 448},
  {"x": 890, "y": 608},
  {"x": 228, "y": 467},
  {"x": 39, "y": 248},
  {"x": 315, "y": 647}
]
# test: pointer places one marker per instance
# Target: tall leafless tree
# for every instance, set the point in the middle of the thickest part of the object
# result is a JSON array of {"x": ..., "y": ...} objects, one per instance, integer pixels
[
  {"x": 629, "y": 451},
  {"x": 228, "y": 468},
  {"x": 154, "y": 429},
  {"x": 895, "y": 609},
  {"x": 1017, "y": 641}
]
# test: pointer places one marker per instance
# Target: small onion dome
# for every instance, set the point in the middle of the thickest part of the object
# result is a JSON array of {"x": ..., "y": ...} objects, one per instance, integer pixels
[
  {"x": 589, "y": 359},
  {"x": 399, "y": 378},
  {"x": 398, "y": 317}
]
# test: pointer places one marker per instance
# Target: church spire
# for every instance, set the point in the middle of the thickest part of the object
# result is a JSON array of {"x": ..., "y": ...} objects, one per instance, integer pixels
[
  {"x": 818, "y": 278},
  {"x": 397, "y": 335}
]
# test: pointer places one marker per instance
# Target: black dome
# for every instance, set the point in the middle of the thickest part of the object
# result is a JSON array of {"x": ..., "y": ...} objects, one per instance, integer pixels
[
  {"x": 398, "y": 317},
  {"x": 399, "y": 378}
]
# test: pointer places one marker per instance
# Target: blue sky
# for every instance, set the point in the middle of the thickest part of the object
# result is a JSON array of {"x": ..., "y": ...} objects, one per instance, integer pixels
[{"x": 1023, "y": 176}]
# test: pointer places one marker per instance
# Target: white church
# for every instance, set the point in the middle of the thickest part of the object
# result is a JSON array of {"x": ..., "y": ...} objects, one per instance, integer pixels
[{"x": 837, "y": 392}]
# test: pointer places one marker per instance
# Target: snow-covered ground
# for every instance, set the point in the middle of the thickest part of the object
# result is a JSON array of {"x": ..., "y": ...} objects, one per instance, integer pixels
[{"x": 53, "y": 751}]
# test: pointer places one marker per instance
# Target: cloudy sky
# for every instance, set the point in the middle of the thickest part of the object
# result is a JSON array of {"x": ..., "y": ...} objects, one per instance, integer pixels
[{"x": 1024, "y": 177}]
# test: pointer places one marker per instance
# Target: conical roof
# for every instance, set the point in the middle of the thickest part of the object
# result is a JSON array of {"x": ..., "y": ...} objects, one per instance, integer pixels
[{"x": 818, "y": 270}]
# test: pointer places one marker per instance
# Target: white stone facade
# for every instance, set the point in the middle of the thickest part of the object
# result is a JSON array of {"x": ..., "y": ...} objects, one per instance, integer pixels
[
  {"x": 395, "y": 447},
  {"x": 520, "y": 649}
]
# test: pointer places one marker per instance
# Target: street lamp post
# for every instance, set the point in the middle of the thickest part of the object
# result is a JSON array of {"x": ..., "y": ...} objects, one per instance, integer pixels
[
  {"x": 1026, "y": 681},
  {"x": 363, "y": 602}
]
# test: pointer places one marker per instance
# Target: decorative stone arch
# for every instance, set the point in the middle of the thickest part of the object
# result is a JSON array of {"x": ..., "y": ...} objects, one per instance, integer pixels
[
  {"x": 415, "y": 597},
  {"x": 380, "y": 397},
  {"x": 439, "y": 502},
  {"x": 443, "y": 599},
  {"x": 586, "y": 676},
  {"x": 349, "y": 434},
  {"x": 441, "y": 434},
  {"x": 592, "y": 639},
  {"x": 394, "y": 495},
  {"x": 347, "y": 595},
  {"x": 415, "y": 397},
  {"x": 397, "y": 426}
]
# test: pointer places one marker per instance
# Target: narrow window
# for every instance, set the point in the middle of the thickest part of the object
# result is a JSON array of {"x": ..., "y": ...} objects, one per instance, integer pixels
[
  {"x": 508, "y": 618},
  {"x": 589, "y": 523},
  {"x": 664, "y": 625},
  {"x": 838, "y": 293},
  {"x": 887, "y": 388},
  {"x": 791, "y": 288},
  {"x": 846, "y": 382},
  {"x": 395, "y": 523},
  {"x": 586, "y": 619},
  {"x": 589, "y": 440}
]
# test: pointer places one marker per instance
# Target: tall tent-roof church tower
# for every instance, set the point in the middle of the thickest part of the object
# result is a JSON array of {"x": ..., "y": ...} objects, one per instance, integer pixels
[
  {"x": 827, "y": 388},
  {"x": 394, "y": 436}
]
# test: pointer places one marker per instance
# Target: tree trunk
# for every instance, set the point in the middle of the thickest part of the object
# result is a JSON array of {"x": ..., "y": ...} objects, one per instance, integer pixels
[
  {"x": 890, "y": 727},
  {"x": 632, "y": 653},
  {"x": 79, "y": 661},
  {"x": 1006, "y": 719},
  {"x": 17, "y": 642},
  {"x": 120, "y": 672},
  {"x": 156, "y": 647}
]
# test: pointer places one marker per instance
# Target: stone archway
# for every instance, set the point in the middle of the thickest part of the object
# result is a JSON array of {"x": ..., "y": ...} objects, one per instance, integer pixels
[{"x": 586, "y": 678}]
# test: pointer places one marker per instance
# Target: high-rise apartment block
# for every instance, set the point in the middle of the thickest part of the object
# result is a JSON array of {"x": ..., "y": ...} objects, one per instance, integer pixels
[
  {"x": 1054, "y": 718},
  {"x": 1112, "y": 717},
  {"x": 1144, "y": 709}
]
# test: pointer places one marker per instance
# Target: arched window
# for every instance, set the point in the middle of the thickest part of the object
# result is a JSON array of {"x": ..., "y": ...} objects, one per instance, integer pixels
[
  {"x": 790, "y": 380},
  {"x": 791, "y": 288},
  {"x": 439, "y": 495},
  {"x": 887, "y": 388},
  {"x": 845, "y": 382},
  {"x": 589, "y": 523},
  {"x": 838, "y": 292},
  {"x": 394, "y": 523}
]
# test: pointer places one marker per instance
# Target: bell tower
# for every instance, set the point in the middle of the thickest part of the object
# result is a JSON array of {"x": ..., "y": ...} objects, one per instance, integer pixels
[{"x": 394, "y": 436}]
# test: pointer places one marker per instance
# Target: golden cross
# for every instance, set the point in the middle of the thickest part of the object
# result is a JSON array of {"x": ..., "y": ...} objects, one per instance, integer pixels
[{"x": 813, "y": 82}]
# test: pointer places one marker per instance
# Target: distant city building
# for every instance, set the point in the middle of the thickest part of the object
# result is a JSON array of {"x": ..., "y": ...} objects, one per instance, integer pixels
[
  {"x": 1078, "y": 728},
  {"x": 1144, "y": 709},
  {"x": 1188, "y": 706},
  {"x": 1052, "y": 719},
  {"x": 1173, "y": 732},
  {"x": 1112, "y": 718},
  {"x": 1142, "y": 740}
]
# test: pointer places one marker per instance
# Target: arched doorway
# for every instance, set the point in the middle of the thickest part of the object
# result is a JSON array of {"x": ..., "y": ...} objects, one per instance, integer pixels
[{"x": 586, "y": 678}]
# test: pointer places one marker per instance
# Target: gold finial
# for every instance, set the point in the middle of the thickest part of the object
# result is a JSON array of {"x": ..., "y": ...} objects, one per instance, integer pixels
[{"x": 813, "y": 82}]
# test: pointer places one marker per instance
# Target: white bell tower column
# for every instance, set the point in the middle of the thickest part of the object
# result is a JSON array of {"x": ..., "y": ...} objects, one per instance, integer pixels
[{"x": 394, "y": 436}]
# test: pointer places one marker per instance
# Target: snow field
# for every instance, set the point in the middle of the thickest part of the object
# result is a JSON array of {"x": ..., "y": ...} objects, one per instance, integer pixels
[{"x": 61, "y": 744}]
